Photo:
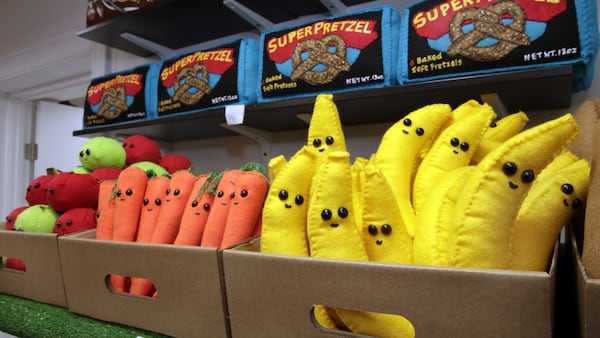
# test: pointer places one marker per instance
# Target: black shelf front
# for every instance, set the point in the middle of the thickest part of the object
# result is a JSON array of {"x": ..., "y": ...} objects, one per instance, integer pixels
[{"x": 527, "y": 90}]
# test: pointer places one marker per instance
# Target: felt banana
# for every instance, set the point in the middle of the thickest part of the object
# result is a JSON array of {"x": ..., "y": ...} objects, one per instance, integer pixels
[
  {"x": 548, "y": 206},
  {"x": 284, "y": 211},
  {"x": 357, "y": 168},
  {"x": 500, "y": 131},
  {"x": 430, "y": 244},
  {"x": 452, "y": 148},
  {"x": 491, "y": 196},
  {"x": 325, "y": 132},
  {"x": 275, "y": 164},
  {"x": 398, "y": 151},
  {"x": 333, "y": 233},
  {"x": 384, "y": 233}
]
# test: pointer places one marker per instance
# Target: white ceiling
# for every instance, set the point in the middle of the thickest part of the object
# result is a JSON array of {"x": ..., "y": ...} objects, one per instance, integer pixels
[{"x": 41, "y": 56}]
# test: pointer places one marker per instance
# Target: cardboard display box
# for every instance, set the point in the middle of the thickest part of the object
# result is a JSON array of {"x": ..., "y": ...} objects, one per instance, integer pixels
[
  {"x": 187, "y": 278},
  {"x": 588, "y": 293},
  {"x": 42, "y": 280},
  {"x": 272, "y": 296}
]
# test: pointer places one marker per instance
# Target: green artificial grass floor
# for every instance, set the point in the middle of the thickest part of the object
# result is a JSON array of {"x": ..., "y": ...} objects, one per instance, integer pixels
[{"x": 29, "y": 319}]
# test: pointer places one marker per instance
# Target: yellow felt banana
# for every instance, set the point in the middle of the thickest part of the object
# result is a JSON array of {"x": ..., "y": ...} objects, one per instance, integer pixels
[
  {"x": 500, "y": 131},
  {"x": 548, "y": 206},
  {"x": 452, "y": 148},
  {"x": 357, "y": 168},
  {"x": 325, "y": 132},
  {"x": 491, "y": 196},
  {"x": 384, "y": 233},
  {"x": 285, "y": 207},
  {"x": 398, "y": 152},
  {"x": 561, "y": 161},
  {"x": 430, "y": 244},
  {"x": 275, "y": 164},
  {"x": 333, "y": 233}
]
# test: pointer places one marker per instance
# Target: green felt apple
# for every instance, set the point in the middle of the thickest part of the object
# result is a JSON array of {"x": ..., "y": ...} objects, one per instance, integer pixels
[
  {"x": 152, "y": 169},
  {"x": 36, "y": 218},
  {"x": 102, "y": 152}
]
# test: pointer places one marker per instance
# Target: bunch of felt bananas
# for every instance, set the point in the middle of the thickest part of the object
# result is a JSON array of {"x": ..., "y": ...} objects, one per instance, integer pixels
[{"x": 448, "y": 187}]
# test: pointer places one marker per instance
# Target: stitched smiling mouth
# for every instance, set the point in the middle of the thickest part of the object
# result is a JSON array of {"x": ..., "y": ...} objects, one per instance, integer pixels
[
  {"x": 378, "y": 242},
  {"x": 321, "y": 150},
  {"x": 512, "y": 185},
  {"x": 287, "y": 206},
  {"x": 334, "y": 225}
]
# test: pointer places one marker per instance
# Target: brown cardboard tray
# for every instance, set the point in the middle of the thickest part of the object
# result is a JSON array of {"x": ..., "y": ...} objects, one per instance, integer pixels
[
  {"x": 273, "y": 296},
  {"x": 42, "y": 279},
  {"x": 190, "y": 301}
]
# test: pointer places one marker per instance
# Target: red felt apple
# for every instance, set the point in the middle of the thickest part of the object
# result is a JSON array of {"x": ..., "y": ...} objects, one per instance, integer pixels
[
  {"x": 140, "y": 148},
  {"x": 75, "y": 220},
  {"x": 36, "y": 190},
  {"x": 103, "y": 174},
  {"x": 70, "y": 190},
  {"x": 175, "y": 163},
  {"x": 12, "y": 217}
]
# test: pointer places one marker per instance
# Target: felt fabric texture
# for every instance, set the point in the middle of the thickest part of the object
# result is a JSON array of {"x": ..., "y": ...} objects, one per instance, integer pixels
[
  {"x": 36, "y": 190},
  {"x": 154, "y": 198},
  {"x": 106, "y": 209},
  {"x": 215, "y": 224},
  {"x": 173, "y": 163},
  {"x": 11, "y": 218},
  {"x": 102, "y": 152},
  {"x": 195, "y": 213},
  {"x": 36, "y": 218},
  {"x": 103, "y": 174},
  {"x": 141, "y": 148},
  {"x": 68, "y": 191},
  {"x": 150, "y": 168},
  {"x": 75, "y": 220},
  {"x": 21, "y": 317}
]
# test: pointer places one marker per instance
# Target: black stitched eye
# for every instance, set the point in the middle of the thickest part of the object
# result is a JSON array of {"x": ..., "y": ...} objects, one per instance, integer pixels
[
  {"x": 81, "y": 153},
  {"x": 206, "y": 207},
  {"x": 454, "y": 142},
  {"x": 407, "y": 122},
  {"x": 329, "y": 140},
  {"x": 420, "y": 131},
  {"x": 157, "y": 201},
  {"x": 37, "y": 185},
  {"x": 527, "y": 176},
  {"x": 118, "y": 192},
  {"x": 244, "y": 193},
  {"x": 146, "y": 201},
  {"x": 493, "y": 125},
  {"x": 58, "y": 224},
  {"x": 69, "y": 222},
  {"x": 129, "y": 192},
  {"x": 509, "y": 168},
  {"x": 87, "y": 151},
  {"x": 567, "y": 188},
  {"x": 168, "y": 192},
  {"x": 220, "y": 194},
  {"x": 232, "y": 195},
  {"x": 283, "y": 195},
  {"x": 194, "y": 204},
  {"x": 343, "y": 212},
  {"x": 326, "y": 214},
  {"x": 386, "y": 229},
  {"x": 464, "y": 146},
  {"x": 176, "y": 192},
  {"x": 317, "y": 142},
  {"x": 372, "y": 229},
  {"x": 299, "y": 200}
]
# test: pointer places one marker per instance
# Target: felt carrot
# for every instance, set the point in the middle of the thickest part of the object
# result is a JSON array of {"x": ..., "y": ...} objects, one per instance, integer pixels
[
  {"x": 178, "y": 192},
  {"x": 129, "y": 194},
  {"x": 223, "y": 187},
  {"x": 251, "y": 186},
  {"x": 195, "y": 213},
  {"x": 154, "y": 197},
  {"x": 106, "y": 209}
]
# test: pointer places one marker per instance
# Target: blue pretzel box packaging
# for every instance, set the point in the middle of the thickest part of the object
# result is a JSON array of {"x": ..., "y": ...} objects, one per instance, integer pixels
[
  {"x": 120, "y": 97},
  {"x": 208, "y": 78},
  {"x": 334, "y": 54},
  {"x": 449, "y": 38}
]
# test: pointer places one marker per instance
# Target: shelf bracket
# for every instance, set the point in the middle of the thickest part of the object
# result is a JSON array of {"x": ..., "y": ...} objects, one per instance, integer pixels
[
  {"x": 158, "y": 49},
  {"x": 255, "y": 19},
  {"x": 263, "y": 138},
  {"x": 335, "y": 7}
]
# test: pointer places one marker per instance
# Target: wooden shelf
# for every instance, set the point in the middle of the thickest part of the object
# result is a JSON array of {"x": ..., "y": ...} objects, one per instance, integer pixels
[{"x": 527, "y": 90}]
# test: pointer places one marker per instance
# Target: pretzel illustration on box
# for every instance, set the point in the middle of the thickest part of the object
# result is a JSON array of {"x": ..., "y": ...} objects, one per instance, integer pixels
[
  {"x": 446, "y": 38},
  {"x": 357, "y": 50},
  {"x": 208, "y": 78}
]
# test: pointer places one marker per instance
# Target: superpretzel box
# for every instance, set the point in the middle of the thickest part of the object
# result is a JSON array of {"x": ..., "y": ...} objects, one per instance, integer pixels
[
  {"x": 450, "y": 38},
  {"x": 208, "y": 78},
  {"x": 334, "y": 54}
]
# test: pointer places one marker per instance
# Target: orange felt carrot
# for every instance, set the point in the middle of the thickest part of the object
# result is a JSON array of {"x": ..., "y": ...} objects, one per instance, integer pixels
[
  {"x": 246, "y": 205},
  {"x": 129, "y": 194},
  {"x": 178, "y": 192},
  {"x": 195, "y": 213},
  {"x": 106, "y": 209},
  {"x": 153, "y": 200},
  {"x": 215, "y": 224}
]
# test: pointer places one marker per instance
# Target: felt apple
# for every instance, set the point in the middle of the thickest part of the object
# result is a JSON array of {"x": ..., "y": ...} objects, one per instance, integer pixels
[
  {"x": 103, "y": 174},
  {"x": 36, "y": 190},
  {"x": 152, "y": 169},
  {"x": 15, "y": 264},
  {"x": 102, "y": 152},
  {"x": 140, "y": 148},
  {"x": 36, "y": 218},
  {"x": 69, "y": 190},
  {"x": 12, "y": 216},
  {"x": 174, "y": 163},
  {"x": 75, "y": 220}
]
